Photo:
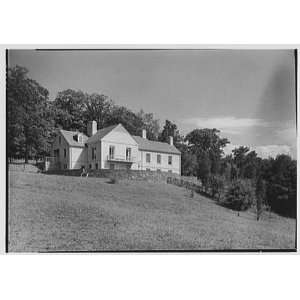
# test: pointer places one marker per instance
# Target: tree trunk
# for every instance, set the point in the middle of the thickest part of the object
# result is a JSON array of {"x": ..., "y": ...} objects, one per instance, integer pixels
[
  {"x": 26, "y": 144},
  {"x": 26, "y": 153}
]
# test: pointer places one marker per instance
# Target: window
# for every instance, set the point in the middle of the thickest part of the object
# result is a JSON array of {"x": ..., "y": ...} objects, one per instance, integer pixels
[
  {"x": 147, "y": 169},
  {"x": 111, "y": 152},
  {"x": 128, "y": 154},
  {"x": 56, "y": 153},
  {"x": 90, "y": 166},
  {"x": 158, "y": 158},
  {"x": 148, "y": 157},
  {"x": 158, "y": 170},
  {"x": 170, "y": 171},
  {"x": 169, "y": 160},
  {"x": 65, "y": 153},
  {"x": 96, "y": 166},
  {"x": 59, "y": 140},
  {"x": 65, "y": 166},
  {"x": 94, "y": 153},
  {"x": 112, "y": 166}
]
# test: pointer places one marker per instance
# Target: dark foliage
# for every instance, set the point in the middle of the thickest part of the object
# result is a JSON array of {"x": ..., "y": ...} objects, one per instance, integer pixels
[
  {"x": 281, "y": 181},
  {"x": 29, "y": 115},
  {"x": 240, "y": 195}
]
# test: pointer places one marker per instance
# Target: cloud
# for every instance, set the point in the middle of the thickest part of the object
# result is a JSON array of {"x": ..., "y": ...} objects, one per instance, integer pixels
[
  {"x": 288, "y": 134},
  {"x": 263, "y": 151},
  {"x": 272, "y": 150},
  {"x": 231, "y": 125}
]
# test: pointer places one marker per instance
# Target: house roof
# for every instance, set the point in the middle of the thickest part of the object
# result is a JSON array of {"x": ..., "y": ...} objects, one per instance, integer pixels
[
  {"x": 70, "y": 138},
  {"x": 143, "y": 144},
  {"x": 100, "y": 134},
  {"x": 147, "y": 145}
]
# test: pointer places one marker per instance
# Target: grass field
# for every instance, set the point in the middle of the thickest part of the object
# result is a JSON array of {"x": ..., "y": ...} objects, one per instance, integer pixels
[{"x": 60, "y": 213}]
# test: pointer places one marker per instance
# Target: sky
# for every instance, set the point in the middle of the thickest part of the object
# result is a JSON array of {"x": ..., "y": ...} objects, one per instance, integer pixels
[{"x": 249, "y": 95}]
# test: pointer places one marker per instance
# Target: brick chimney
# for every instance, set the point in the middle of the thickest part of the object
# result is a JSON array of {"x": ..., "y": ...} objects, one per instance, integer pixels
[
  {"x": 91, "y": 128},
  {"x": 144, "y": 134},
  {"x": 171, "y": 140}
]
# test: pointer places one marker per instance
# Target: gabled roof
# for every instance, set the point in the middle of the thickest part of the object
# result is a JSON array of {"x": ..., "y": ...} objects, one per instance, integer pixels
[
  {"x": 143, "y": 144},
  {"x": 70, "y": 138},
  {"x": 100, "y": 134},
  {"x": 153, "y": 146}
]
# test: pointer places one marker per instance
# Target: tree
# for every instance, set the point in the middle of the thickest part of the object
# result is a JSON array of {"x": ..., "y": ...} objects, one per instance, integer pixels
[
  {"x": 98, "y": 108},
  {"x": 203, "y": 170},
  {"x": 240, "y": 195},
  {"x": 208, "y": 146},
  {"x": 120, "y": 114},
  {"x": 281, "y": 181},
  {"x": 217, "y": 184},
  {"x": 70, "y": 109},
  {"x": 27, "y": 114},
  {"x": 170, "y": 129},
  {"x": 247, "y": 163},
  {"x": 188, "y": 160},
  {"x": 226, "y": 167},
  {"x": 260, "y": 193},
  {"x": 150, "y": 124}
]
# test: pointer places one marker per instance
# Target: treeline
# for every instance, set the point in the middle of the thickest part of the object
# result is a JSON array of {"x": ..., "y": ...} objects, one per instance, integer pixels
[{"x": 247, "y": 179}]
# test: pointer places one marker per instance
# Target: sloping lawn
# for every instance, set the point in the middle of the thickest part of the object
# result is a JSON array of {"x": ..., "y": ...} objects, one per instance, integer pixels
[{"x": 60, "y": 213}]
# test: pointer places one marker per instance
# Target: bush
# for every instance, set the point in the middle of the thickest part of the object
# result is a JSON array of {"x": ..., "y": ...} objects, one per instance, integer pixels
[
  {"x": 282, "y": 200},
  {"x": 240, "y": 195},
  {"x": 113, "y": 180},
  {"x": 217, "y": 184}
]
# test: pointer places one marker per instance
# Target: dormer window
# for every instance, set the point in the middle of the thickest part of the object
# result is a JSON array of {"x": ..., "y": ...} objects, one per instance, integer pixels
[{"x": 78, "y": 138}]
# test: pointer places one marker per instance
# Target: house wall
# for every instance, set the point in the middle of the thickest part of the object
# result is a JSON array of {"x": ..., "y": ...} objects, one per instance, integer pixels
[
  {"x": 78, "y": 157},
  {"x": 121, "y": 139},
  {"x": 62, "y": 161},
  {"x": 163, "y": 166},
  {"x": 96, "y": 160}
]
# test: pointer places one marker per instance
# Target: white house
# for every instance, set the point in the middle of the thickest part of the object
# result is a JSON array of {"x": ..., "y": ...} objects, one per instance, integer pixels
[{"x": 113, "y": 148}]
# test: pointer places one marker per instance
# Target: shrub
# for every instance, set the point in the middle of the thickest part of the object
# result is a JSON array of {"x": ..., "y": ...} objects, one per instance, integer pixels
[
  {"x": 113, "y": 180},
  {"x": 217, "y": 184},
  {"x": 240, "y": 195}
]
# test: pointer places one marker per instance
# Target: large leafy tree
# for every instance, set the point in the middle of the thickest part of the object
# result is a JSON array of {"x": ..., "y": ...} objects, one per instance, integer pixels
[
  {"x": 70, "y": 110},
  {"x": 28, "y": 115},
  {"x": 170, "y": 129},
  {"x": 98, "y": 108},
  {"x": 246, "y": 162},
  {"x": 120, "y": 114},
  {"x": 188, "y": 160},
  {"x": 150, "y": 124},
  {"x": 208, "y": 147},
  {"x": 281, "y": 191}
]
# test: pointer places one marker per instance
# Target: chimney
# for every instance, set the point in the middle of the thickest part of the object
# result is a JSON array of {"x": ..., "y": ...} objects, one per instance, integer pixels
[
  {"x": 91, "y": 128},
  {"x": 144, "y": 134},
  {"x": 171, "y": 140}
]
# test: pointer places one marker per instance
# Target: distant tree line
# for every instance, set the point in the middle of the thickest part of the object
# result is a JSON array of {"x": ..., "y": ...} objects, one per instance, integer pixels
[{"x": 239, "y": 180}]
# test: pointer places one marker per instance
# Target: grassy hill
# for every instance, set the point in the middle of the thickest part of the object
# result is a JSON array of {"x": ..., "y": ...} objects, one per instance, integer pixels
[{"x": 60, "y": 213}]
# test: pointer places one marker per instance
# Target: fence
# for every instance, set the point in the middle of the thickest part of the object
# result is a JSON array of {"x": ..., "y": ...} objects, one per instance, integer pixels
[{"x": 190, "y": 184}]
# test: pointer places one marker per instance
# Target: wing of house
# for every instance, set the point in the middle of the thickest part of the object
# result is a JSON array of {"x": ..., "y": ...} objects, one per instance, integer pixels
[
  {"x": 113, "y": 148},
  {"x": 158, "y": 156},
  {"x": 68, "y": 150}
]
